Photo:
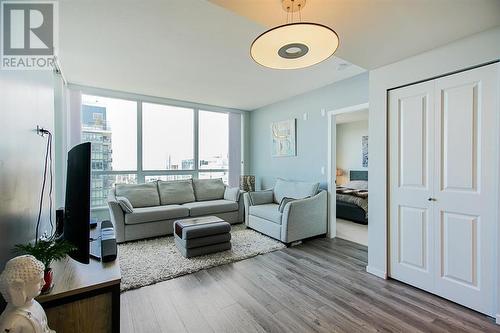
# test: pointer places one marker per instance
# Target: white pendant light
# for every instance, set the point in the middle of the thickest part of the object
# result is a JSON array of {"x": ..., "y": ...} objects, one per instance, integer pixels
[{"x": 294, "y": 45}]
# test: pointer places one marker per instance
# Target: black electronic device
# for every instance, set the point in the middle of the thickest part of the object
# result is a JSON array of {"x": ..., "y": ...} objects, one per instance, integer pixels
[
  {"x": 108, "y": 242},
  {"x": 77, "y": 202},
  {"x": 59, "y": 221}
]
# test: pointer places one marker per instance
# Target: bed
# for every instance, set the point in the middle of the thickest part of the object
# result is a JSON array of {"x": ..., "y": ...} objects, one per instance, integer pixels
[{"x": 353, "y": 205}]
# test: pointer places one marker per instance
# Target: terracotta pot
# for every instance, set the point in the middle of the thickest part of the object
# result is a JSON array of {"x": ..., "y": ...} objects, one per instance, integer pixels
[{"x": 48, "y": 276}]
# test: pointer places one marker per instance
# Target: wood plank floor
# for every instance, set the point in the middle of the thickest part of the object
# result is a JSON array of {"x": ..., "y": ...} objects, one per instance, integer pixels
[{"x": 319, "y": 286}]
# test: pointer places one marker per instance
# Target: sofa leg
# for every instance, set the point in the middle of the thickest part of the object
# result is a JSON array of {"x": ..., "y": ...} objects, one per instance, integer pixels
[{"x": 293, "y": 243}]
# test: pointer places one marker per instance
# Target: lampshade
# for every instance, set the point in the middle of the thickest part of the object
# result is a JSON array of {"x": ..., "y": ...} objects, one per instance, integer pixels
[
  {"x": 339, "y": 172},
  {"x": 294, "y": 45}
]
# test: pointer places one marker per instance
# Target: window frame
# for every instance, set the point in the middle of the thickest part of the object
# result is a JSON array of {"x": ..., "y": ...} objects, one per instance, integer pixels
[{"x": 140, "y": 173}]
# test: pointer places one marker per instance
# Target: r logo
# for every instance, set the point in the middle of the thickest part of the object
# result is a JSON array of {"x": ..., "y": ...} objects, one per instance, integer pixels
[{"x": 28, "y": 28}]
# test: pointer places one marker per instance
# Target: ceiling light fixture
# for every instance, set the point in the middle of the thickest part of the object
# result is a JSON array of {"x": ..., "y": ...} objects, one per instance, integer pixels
[{"x": 296, "y": 44}]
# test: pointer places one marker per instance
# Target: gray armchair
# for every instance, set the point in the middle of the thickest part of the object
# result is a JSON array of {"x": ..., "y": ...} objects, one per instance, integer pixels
[{"x": 303, "y": 211}]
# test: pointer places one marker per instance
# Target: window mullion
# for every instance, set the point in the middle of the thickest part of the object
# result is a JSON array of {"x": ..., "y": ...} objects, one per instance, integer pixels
[
  {"x": 140, "y": 172},
  {"x": 196, "y": 143}
]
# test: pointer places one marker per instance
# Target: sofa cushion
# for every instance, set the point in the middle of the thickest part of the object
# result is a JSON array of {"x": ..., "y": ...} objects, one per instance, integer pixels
[
  {"x": 176, "y": 192},
  {"x": 158, "y": 213},
  {"x": 211, "y": 207},
  {"x": 260, "y": 197},
  {"x": 268, "y": 212},
  {"x": 125, "y": 204},
  {"x": 139, "y": 195},
  {"x": 208, "y": 189},
  {"x": 296, "y": 190}
]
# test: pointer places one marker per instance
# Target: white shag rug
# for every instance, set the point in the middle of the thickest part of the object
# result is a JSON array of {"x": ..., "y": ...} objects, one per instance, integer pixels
[{"x": 150, "y": 261}]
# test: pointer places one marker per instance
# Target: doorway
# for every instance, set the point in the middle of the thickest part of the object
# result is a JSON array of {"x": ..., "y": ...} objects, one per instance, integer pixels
[{"x": 348, "y": 173}]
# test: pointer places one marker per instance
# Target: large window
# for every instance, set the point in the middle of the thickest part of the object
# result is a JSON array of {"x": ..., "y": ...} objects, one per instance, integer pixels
[
  {"x": 102, "y": 183},
  {"x": 135, "y": 141},
  {"x": 167, "y": 137},
  {"x": 213, "y": 140},
  {"x": 111, "y": 126}
]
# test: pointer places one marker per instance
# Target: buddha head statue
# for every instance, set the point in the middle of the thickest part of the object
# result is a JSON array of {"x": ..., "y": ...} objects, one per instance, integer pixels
[{"x": 22, "y": 280}]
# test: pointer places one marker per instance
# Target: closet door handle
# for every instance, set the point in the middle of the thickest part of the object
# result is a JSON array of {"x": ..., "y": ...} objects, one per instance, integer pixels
[{"x": 431, "y": 199}]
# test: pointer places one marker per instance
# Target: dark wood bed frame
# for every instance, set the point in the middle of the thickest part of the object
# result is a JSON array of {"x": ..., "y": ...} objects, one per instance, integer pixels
[{"x": 349, "y": 211}]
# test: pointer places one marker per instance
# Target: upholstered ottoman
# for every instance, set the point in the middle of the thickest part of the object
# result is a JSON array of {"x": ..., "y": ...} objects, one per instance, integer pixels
[{"x": 202, "y": 235}]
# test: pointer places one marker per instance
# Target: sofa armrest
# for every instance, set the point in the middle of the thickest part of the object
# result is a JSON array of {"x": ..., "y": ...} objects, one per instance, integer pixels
[
  {"x": 246, "y": 208},
  {"x": 305, "y": 218},
  {"x": 241, "y": 207},
  {"x": 117, "y": 216}
]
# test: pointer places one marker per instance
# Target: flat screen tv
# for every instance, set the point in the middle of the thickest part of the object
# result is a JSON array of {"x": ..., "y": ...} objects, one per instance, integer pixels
[{"x": 77, "y": 203}]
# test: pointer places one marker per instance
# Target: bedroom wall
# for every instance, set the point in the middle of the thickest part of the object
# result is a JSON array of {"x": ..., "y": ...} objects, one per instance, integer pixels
[
  {"x": 26, "y": 100},
  {"x": 349, "y": 148},
  {"x": 471, "y": 51},
  {"x": 311, "y": 133}
]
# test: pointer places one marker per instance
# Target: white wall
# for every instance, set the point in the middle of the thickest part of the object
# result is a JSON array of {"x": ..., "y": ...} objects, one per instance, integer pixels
[
  {"x": 471, "y": 51},
  {"x": 349, "y": 148}
]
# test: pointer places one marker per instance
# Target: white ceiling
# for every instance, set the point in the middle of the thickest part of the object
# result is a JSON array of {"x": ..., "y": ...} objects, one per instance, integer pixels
[
  {"x": 189, "y": 50},
  {"x": 198, "y": 51}
]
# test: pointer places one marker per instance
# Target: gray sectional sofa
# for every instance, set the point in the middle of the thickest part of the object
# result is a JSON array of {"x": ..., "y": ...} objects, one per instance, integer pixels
[
  {"x": 289, "y": 212},
  {"x": 149, "y": 210}
]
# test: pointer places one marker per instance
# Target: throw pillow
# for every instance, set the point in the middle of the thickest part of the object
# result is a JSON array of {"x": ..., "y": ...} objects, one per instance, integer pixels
[
  {"x": 283, "y": 203},
  {"x": 125, "y": 204},
  {"x": 231, "y": 193}
]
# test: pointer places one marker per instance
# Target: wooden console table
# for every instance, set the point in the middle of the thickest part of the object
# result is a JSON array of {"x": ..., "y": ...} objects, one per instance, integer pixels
[{"x": 85, "y": 298}]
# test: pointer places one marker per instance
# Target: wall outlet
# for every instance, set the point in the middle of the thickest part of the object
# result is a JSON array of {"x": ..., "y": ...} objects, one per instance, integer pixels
[
  {"x": 322, "y": 170},
  {"x": 323, "y": 112},
  {"x": 304, "y": 116}
]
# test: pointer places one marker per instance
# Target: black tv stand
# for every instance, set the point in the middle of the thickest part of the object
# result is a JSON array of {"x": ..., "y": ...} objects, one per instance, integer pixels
[{"x": 85, "y": 298}]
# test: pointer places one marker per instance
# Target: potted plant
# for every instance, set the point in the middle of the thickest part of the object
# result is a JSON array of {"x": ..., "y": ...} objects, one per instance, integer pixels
[{"x": 47, "y": 251}]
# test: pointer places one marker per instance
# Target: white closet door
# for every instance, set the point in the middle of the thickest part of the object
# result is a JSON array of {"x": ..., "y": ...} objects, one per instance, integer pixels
[
  {"x": 466, "y": 186},
  {"x": 411, "y": 184}
]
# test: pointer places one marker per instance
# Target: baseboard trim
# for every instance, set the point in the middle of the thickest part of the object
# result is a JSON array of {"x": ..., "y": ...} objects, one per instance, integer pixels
[
  {"x": 498, "y": 319},
  {"x": 376, "y": 272}
]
